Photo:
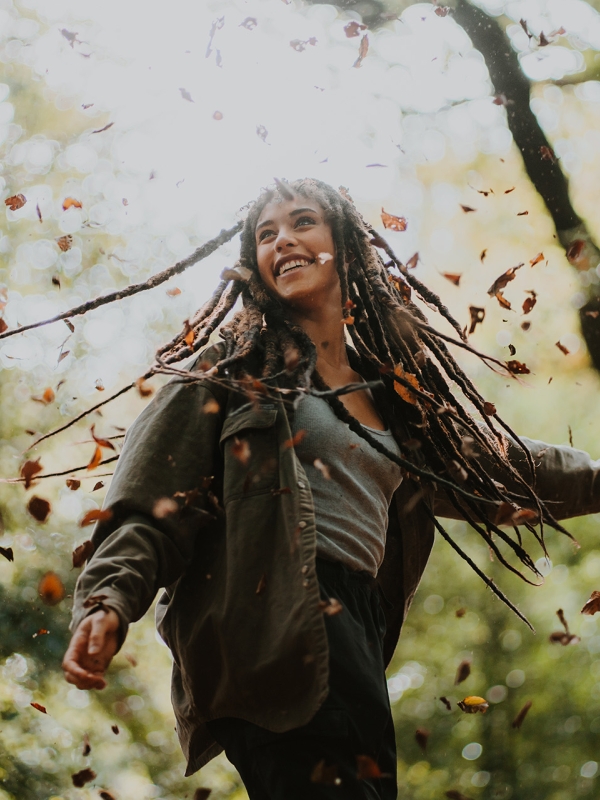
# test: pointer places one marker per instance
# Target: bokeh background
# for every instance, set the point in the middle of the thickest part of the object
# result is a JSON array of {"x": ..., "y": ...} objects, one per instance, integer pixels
[{"x": 162, "y": 121}]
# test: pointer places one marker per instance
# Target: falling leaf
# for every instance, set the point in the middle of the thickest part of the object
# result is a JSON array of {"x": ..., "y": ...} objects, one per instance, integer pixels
[
  {"x": 262, "y": 133},
  {"x": 249, "y": 23},
  {"x": 592, "y": 606},
  {"x": 47, "y": 397},
  {"x": 95, "y": 515},
  {"x": 368, "y": 768},
  {"x": 211, "y": 407},
  {"x": 299, "y": 45},
  {"x": 3, "y": 325},
  {"x": 38, "y": 212},
  {"x": 202, "y": 794},
  {"x": 482, "y": 255},
  {"x": 463, "y": 671},
  {"x": 562, "y": 348},
  {"x": 39, "y": 707},
  {"x": 99, "y": 441},
  {"x": 96, "y": 458},
  {"x": 15, "y": 202},
  {"x": 115, "y": 729},
  {"x": 39, "y": 508},
  {"x": 421, "y": 737},
  {"x": 7, "y": 552},
  {"x": 503, "y": 280},
  {"x": 262, "y": 584},
  {"x": 82, "y": 777},
  {"x": 508, "y": 191},
  {"x": 473, "y": 704},
  {"x": 218, "y": 115},
  {"x": 51, "y": 589},
  {"x": 453, "y": 277},
  {"x": 460, "y": 612},
  {"x": 403, "y": 391},
  {"x": 477, "y": 316},
  {"x": 29, "y": 470},
  {"x": 164, "y": 507},
  {"x": 522, "y": 213},
  {"x": 173, "y": 292},
  {"x": 517, "y": 368},
  {"x": 442, "y": 11},
  {"x": 362, "y": 50},
  {"x": 525, "y": 28},
  {"x": 41, "y": 632},
  {"x": 453, "y": 794},
  {"x": 575, "y": 250},
  {"x": 185, "y": 94},
  {"x": 529, "y": 302},
  {"x": 65, "y": 242},
  {"x": 500, "y": 99},
  {"x": 392, "y": 222},
  {"x": 547, "y": 154},
  {"x": 295, "y": 440},
  {"x": 446, "y": 702},
  {"x": 105, "y": 128},
  {"x": 324, "y": 774},
  {"x": 467, "y": 209},
  {"x": 143, "y": 388},
  {"x": 353, "y": 28},
  {"x": 412, "y": 261},
  {"x": 565, "y": 638},
  {"x": 489, "y": 409},
  {"x": 73, "y": 484},
  {"x": 240, "y": 449},
  {"x": 503, "y": 301},
  {"x": 87, "y": 748},
  {"x": 518, "y": 720},
  {"x": 525, "y": 325},
  {"x": 104, "y": 795},
  {"x": 99, "y": 386},
  {"x": 70, "y": 202},
  {"x": 537, "y": 259},
  {"x": 69, "y": 325},
  {"x": 81, "y": 554},
  {"x": 323, "y": 468},
  {"x": 331, "y": 607}
]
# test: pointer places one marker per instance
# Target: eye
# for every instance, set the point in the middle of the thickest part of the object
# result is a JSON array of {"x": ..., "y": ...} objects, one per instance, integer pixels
[
  {"x": 304, "y": 220},
  {"x": 264, "y": 234}
]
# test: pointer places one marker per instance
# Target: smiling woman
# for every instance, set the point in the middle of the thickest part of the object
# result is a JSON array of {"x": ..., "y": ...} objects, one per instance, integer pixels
[{"x": 285, "y": 492}]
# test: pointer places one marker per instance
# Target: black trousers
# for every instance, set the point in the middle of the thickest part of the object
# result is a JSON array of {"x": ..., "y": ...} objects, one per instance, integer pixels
[{"x": 322, "y": 760}]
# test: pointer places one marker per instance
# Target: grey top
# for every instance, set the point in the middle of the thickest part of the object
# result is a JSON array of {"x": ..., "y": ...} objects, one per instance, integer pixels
[{"x": 352, "y": 485}]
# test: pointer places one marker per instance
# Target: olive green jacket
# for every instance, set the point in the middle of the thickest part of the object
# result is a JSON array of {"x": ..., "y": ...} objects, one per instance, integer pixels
[{"x": 240, "y": 611}]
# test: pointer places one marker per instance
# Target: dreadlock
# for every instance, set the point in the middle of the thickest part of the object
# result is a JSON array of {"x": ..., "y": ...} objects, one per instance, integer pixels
[{"x": 394, "y": 344}]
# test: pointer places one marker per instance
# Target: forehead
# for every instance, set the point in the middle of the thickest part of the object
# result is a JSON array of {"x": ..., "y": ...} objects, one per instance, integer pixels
[{"x": 281, "y": 209}]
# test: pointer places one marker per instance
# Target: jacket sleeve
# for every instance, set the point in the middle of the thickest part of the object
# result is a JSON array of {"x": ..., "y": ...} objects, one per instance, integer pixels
[
  {"x": 566, "y": 479},
  {"x": 170, "y": 455}
]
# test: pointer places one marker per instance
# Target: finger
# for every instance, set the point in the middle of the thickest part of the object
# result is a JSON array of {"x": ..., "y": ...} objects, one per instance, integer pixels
[
  {"x": 80, "y": 677},
  {"x": 97, "y": 637}
]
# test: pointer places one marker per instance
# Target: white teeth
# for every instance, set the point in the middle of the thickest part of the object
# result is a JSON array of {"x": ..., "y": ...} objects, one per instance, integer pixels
[{"x": 300, "y": 262}]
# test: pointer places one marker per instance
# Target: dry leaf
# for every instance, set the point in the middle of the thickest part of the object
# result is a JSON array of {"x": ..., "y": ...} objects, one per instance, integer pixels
[
  {"x": 477, "y": 315},
  {"x": 467, "y": 209},
  {"x": 115, "y": 729},
  {"x": 575, "y": 251},
  {"x": 163, "y": 507},
  {"x": 463, "y": 672},
  {"x": 96, "y": 458},
  {"x": 529, "y": 302},
  {"x": 7, "y": 552},
  {"x": 482, "y": 255},
  {"x": 173, "y": 292},
  {"x": 82, "y": 777},
  {"x": 517, "y": 368},
  {"x": 522, "y": 213},
  {"x": 211, "y": 407},
  {"x": 3, "y": 325},
  {"x": 323, "y": 468},
  {"x": 518, "y": 720},
  {"x": 39, "y": 508},
  {"x": 29, "y": 470},
  {"x": 15, "y": 202},
  {"x": 368, "y": 768},
  {"x": 537, "y": 259},
  {"x": 412, "y": 261},
  {"x": 95, "y": 515},
  {"x": 353, "y": 28},
  {"x": 331, "y": 607},
  {"x": 51, "y": 589},
  {"x": 547, "y": 154},
  {"x": 143, "y": 388},
  {"x": 240, "y": 449},
  {"x": 392, "y": 222},
  {"x": 81, "y": 554},
  {"x": 460, "y": 612},
  {"x": 87, "y": 748},
  {"x": 504, "y": 279},
  {"x": 525, "y": 325},
  {"x": 503, "y": 301},
  {"x": 70, "y": 202},
  {"x": 101, "y": 442},
  {"x": 262, "y": 584},
  {"x": 446, "y": 702},
  {"x": 41, "y": 632},
  {"x": 565, "y": 638},
  {"x": 592, "y": 606},
  {"x": 65, "y": 242},
  {"x": 249, "y": 23},
  {"x": 421, "y": 737},
  {"x": 105, "y": 795},
  {"x": 99, "y": 485},
  {"x": 73, "y": 484},
  {"x": 402, "y": 390},
  {"x": 453, "y": 277},
  {"x": 562, "y": 348},
  {"x": 202, "y": 794},
  {"x": 325, "y": 774},
  {"x": 39, "y": 707},
  {"x": 489, "y": 409},
  {"x": 362, "y": 50},
  {"x": 473, "y": 704},
  {"x": 453, "y": 794}
]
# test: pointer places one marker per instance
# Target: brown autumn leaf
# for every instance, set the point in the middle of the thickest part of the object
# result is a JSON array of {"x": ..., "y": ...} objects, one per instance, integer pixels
[
  {"x": 331, "y": 607},
  {"x": 99, "y": 441},
  {"x": 575, "y": 251},
  {"x": 368, "y": 768},
  {"x": 325, "y": 774},
  {"x": 99, "y": 485},
  {"x": 81, "y": 554},
  {"x": 525, "y": 325},
  {"x": 393, "y": 223},
  {"x": 202, "y": 794},
  {"x": 530, "y": 301},
  {"x": 503, "y": 301},
  {"x": 473, "y": 704},
  {"x": 445, "y": 700},
  {"x": 106, "y": 795},
  {"x": 412, "y": 261},
  {"x": 39, "y": 707},
  {"x": 508, "y": 514},
  {"x": 47, "y": 396},
  {"x": 453, "y": 277},
  {"x": 522, "y": 213},
  {"x": 467, "y": 209},
  {"x": 547, "y": 154},
  {"x": 518, "y": 720},
  {"x": 402, "y": 390},
  {"x": 164, "y": 507},
  {"x": 362, "y": 50},
  {"x": 508, "y": 191},
  {"x": 41, "y": 632},
  {"x": 489, "y": 409},
  {"x": 7, "y": 552},
  {"x": 70, "y": 202},
  {"x": 463, "y": 671},
  {"x": 454, "y": 794},
  {"x": 536, "y": 260},
  {"x": 39, "y": 508},
  {"x": 95, "y": 515},
  {"x": 29, "y": 470},
  {"x": 82, "y": 777},
  {"x": 517, "y": 368},
  {"x": 353, "y": 28},
  {"x": 262, "y": 584},
  {"x": 51, "y": 589},
  {"x": 15, "y": 202},
  {"x": 592, "y": 606},
  {"x": 132, "y": 659},
  {"x": 65, "y": 242},
  {"x": 96, "y": 458},
  {"x": 115, "y": 729},
  {"x": 87, "y": 747},
  {"x": 3, "y": 325},
  {"x": 249, "y": 23},
  {"x": 73, "y": 484},
  {"x": 421, "y": 737},
  {"x": 477, "y": 315},
  {"x": 563, "y": 637},
  {"x": 482, "y": 255},
  {"x": 323, "y": 468},
  {"x": 562, "y": 348},
  {"x": 442, "y": 11},
  {"x": 503, "y": 280},
  {"x": 460, "y": 612},
  {"x": 143, "y": 388},
  {"x": 240, "y": 449}
]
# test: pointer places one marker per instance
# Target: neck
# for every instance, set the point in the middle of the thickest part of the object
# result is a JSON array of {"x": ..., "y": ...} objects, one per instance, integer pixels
[{"x": 324, "y": 326}]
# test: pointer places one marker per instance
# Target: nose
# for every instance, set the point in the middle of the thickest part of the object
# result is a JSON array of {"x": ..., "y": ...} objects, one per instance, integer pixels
[{"x": 285, "y": 238}]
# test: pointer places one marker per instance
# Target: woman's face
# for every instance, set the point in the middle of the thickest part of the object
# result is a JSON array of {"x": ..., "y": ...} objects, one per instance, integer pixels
[{"x": 295, "y": 254}]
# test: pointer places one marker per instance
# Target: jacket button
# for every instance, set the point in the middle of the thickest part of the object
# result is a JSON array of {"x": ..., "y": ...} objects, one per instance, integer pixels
[
  {"x": 301, "y": 485},
  {"x": 302, "y": 524}
]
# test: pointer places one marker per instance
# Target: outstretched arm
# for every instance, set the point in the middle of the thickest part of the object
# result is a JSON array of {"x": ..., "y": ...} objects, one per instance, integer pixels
[{"x": 92, "y": 647}]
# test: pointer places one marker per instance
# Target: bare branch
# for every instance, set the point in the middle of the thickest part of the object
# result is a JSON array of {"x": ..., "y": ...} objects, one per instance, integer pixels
[{"x": 66, "y": 472}]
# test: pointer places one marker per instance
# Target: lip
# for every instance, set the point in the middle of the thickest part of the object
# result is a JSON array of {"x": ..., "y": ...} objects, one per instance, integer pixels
[{"x": 287, "y": 258}]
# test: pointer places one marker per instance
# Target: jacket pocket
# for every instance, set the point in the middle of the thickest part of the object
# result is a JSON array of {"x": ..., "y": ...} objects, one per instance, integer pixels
[{"x": 249, "y": 444}]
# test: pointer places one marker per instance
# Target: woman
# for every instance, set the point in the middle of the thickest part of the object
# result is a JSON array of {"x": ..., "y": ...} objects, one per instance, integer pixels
[{"x": 285, "y": 492}]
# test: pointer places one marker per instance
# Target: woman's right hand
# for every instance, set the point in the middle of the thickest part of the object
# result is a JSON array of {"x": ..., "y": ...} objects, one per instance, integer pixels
[{"x": 92, "y": 647}]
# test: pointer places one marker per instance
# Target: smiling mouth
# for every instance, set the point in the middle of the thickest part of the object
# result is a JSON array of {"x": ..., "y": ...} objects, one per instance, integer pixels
[{"x": 297, "y": 263}]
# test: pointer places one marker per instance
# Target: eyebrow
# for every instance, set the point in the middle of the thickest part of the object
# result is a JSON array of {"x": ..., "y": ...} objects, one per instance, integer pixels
[{"x": 293, "y": 213}]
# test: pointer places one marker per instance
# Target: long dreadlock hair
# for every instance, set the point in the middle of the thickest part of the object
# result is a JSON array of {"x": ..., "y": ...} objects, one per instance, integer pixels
[{"x": 393, "y": 343}]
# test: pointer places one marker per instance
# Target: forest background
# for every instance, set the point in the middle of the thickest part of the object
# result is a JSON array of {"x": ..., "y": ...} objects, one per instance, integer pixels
[{"x": 134, "y": 137}]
